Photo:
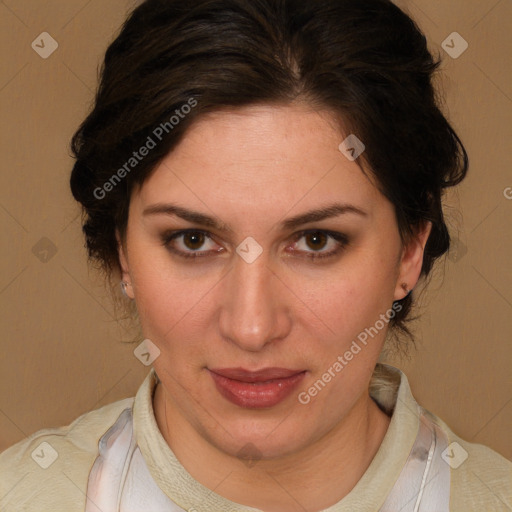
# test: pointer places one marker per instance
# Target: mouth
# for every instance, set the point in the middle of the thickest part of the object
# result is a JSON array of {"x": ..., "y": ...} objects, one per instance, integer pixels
[{"x": 256, "y": 390}]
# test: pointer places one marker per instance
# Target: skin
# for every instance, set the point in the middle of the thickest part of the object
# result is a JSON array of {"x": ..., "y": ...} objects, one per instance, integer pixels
[{"x": 253, "y": 168}]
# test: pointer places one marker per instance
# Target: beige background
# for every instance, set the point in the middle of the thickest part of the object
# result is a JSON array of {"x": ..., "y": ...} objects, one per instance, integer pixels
[{"x": 61, "y": 345}]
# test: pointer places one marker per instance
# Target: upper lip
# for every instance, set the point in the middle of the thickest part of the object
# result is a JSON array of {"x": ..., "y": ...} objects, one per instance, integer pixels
[{"x": 256, "y": 376}]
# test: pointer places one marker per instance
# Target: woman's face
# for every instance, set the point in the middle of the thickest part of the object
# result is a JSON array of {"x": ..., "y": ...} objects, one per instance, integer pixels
[{"x": 254, "y": 297}]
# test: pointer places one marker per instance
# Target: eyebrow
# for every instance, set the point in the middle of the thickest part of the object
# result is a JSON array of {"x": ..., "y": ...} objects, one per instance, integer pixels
[{"x": 325, "y": 212}]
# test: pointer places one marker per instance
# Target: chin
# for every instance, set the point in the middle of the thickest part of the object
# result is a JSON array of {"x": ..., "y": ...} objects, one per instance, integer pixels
[{"x": 246, "y": 440}]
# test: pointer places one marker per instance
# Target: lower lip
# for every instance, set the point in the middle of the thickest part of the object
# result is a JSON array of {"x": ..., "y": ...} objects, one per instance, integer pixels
[{"x": 256, "y": 395}]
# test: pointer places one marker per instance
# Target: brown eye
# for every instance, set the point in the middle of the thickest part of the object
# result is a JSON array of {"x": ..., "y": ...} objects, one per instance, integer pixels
[
  {"x": 316, "y": 240},
  {"x": 320, "y": 244},
  {"x": 186, "y": 244},
  {"x": 193, "y": 240}
]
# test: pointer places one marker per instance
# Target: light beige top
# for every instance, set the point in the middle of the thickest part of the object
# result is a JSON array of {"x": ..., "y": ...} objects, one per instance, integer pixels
[{"x": 49, "y": 470}]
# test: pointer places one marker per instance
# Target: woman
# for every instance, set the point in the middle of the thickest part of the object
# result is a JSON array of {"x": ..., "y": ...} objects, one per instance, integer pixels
[{"x": 261, "y": 178}]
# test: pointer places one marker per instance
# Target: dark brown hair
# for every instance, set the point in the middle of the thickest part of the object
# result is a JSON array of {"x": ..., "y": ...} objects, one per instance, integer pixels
[{"x": 364, "y": 61}]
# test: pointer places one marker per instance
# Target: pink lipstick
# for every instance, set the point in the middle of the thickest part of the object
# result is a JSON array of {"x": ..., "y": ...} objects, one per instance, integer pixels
[{"x": 259, "y": 389}]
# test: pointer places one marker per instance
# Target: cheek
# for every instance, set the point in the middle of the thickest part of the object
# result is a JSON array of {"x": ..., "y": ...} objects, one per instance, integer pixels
[
  {"x": 166, "y": 308},
  {"x": 174, "y": 311},
  {"x": 351, "y": 298},
  {"x": 352, "y": 307}
]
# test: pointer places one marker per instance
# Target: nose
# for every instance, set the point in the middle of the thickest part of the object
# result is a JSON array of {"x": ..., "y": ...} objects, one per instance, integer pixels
[{"x": 254, "y": 306}]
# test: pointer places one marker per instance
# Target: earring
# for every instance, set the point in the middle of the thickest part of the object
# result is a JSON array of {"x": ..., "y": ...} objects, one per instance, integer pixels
[{"x": 124, "y": 284}]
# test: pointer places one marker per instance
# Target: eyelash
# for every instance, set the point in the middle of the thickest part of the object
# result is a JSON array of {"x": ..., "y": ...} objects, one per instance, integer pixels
[{"x": 342, "y": 240}]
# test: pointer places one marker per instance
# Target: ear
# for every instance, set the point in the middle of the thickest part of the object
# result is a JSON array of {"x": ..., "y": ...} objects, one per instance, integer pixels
[
  {"x": 412, "y": 260},
  {"x": 125, "y": 268}
]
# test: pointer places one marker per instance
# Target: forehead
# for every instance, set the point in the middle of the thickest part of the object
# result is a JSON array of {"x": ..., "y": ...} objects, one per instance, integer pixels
[{"x": 268, "y": 157}]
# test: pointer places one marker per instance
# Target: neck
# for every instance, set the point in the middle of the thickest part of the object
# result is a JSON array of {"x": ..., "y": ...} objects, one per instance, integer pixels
[{"x": 314, "y": 478}]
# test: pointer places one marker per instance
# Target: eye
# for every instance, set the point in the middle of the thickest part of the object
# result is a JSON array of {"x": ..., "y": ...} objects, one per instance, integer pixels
[
  {"x": 317, "y": 240},
  {"x": 186, "y": 243},
  {"x": 191, "y": 241}
]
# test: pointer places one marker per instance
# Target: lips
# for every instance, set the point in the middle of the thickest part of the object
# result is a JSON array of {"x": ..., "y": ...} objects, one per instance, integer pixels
[
  {"x": 257, "y": 376},
  {"x": 259, "y": 389}
]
